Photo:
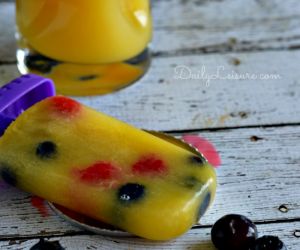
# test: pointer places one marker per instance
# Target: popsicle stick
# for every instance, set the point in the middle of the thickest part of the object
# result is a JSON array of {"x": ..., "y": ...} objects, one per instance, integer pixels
[
  {"x": 202, "y": 26},
  {"x": 194, "y": 239},
  {"x": 256, "y": 163}
]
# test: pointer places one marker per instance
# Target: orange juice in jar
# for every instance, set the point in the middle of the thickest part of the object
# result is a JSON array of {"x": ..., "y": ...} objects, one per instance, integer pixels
[{"x": 87, "y": 47}]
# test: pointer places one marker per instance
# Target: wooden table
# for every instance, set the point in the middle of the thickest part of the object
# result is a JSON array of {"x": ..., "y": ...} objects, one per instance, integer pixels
[{"x": 253, "y": 118}]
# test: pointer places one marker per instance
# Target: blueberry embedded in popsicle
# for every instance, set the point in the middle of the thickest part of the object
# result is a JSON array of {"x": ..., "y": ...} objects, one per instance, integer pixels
[
  {"x": 197, "y": 160},
  {"x": 191, "y": 182},
  {"x": 204, "y": 205},
  {"x": 8, "y": 175},
  {"x": 131, "y": 192},
  {"x": 46, "y": 149}
]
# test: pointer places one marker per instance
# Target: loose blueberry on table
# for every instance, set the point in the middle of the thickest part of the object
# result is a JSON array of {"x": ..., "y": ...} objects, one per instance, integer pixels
[
  {"x": 47, "y": 245},
  {"x": 268, "y": 242},
  {"x": 237, "y": 232},
  {"x": 234, "y": 232}
]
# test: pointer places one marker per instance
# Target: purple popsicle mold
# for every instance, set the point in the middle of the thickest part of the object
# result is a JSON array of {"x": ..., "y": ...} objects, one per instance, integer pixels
[{"x": 20, "y": 94}]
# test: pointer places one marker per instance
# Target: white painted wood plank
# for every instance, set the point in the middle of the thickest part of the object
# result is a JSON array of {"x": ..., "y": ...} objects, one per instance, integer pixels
[
  {"x": 255, "y": 179},
  {"x": 177, "y": 13},
  {"x": 161, "y": 102},
  {"x": 204, "y": 26},
  {"x": 18, "y": 217},
  {"x": 226, "y": 25},
  {"x": 7, "y": 29},
  {"x": 194, "y": 239}
]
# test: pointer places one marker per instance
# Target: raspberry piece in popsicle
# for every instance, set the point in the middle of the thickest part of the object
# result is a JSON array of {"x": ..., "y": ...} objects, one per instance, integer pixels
[
  {"x": 150, "y": 165},
  {"x": 98, "y": 173},
  {"x": 65, "y": 106}
]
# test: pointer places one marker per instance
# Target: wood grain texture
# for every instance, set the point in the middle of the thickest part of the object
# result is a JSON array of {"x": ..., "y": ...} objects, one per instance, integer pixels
[
  {"x": 195, "y": 239},
  {"x": 161, "y": 102},
  {"x": 218, "y": 26},
  {"x": 252, "y": 170},
  {"x": 7, "y": 30},
  {"x": 260, "y": 174},
  {"x": 201, "y": 26}
]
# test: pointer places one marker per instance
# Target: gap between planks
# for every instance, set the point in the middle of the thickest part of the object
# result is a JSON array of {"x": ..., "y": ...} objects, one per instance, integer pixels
[{"x": 184, "y": 131}]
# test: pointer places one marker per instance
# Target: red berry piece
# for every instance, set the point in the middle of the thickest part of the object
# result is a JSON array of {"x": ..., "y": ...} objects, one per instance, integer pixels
[
  {"x": 268, "y": 243},
  {"x": 205, "y": 147},
  {"x": 65, "y": 106},
  {"x": 234, "y": 232},
  {"x": 98, "y": 173},
  {"x": 40, "y": 205},
  {"x": 149, "y": 165}
]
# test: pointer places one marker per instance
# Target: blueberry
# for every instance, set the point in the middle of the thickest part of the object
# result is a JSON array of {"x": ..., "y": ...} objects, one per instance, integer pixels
[
  {"x": 46, "y": 149},
  {"x": 234, "y": 232},
  {"x": 47, "y": 245},
  {"x": 8, "y": 175},
  {"x": 204, "y": 205},
  {"x": 140, "y": 58},
  {"x": 197, "y": 160},
  {"x": 131, "y": 192},
  {"x": 268, "y": 243},
  {"x": 88, "y": 77},
  {"x": 40, "y": 63},
  {"x": 191, "y": 182}
]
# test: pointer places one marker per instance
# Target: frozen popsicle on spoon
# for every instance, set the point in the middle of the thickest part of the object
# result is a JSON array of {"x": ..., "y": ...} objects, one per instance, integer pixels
[{"x": 96, "y": 165}]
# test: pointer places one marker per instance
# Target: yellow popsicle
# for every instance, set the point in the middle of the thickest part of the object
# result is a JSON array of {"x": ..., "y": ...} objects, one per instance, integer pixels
[{"x": 94, "y": 164}]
